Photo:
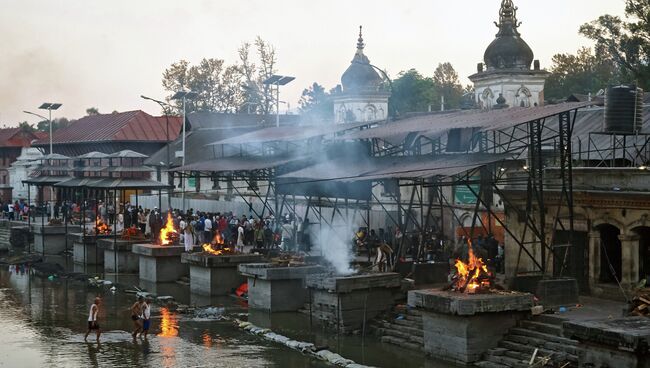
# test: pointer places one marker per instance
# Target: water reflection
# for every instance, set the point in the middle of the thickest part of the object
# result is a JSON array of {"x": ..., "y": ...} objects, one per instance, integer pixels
[{"x": 168, "y": 323}]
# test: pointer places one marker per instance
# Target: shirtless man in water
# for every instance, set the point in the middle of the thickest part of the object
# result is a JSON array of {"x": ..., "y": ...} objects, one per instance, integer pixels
[
  {"x": 92, "y": 320},
  {"x": 136, "y": 316}
]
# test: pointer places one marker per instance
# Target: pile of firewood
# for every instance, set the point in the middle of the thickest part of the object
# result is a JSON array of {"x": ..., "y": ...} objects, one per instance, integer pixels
[
  {"x": 287, "y": 259},
  {"x": 641, "y": 302}
]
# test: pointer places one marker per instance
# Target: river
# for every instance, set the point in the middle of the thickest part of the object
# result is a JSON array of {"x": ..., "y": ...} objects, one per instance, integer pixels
[{"x": 43, "y": 322}]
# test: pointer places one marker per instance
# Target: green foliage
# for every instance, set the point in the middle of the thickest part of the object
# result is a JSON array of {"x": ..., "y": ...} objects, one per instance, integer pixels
[
  {"x": 222, "y": 87},
  {"x": 413, "y": 92},
  {"x": 625, "y": 41},
  {"x": 316, "y": 104},
  {"x": 92, "y": 111},
  {"x": 581, "y": 73},
  {"x": 57, "y": 123},
  {"x": 27, "y": 126}
]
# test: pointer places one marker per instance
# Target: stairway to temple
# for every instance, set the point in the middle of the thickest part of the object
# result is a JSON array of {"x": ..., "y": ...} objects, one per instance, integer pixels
[
  {"x": 402, "y": 326},
  {"x": 517, "y": 347}
]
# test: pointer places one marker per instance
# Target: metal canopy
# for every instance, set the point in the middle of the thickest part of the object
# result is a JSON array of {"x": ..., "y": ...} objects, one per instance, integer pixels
[
  {"x": 111, "y": 183},
  {"x": 284, "y": 134},
  {"x": 395, "y": 167},
  {"x": 485, "y": 120},
  {"x": 228, "y": 164}
]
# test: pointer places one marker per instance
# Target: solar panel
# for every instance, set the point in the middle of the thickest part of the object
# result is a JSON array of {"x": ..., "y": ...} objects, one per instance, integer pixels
[
  {"x": 272, "y": 79},
  {"x": 55, "y": 106},
  {"x": 45, "y": 106},
  {"x": 285, "y": 80}
]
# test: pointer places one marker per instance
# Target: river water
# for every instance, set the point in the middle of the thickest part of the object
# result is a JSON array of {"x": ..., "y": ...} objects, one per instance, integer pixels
[{"x": 43, "y": 321}]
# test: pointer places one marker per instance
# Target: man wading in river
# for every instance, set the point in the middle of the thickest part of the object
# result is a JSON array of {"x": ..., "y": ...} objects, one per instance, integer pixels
[
  {"x": 92, "y": 320},
  {"x": 136, "y": 316}
]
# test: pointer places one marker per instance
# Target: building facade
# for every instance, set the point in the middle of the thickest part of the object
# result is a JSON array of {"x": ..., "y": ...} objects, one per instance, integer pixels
[
  {"x": 508, "y": 77},
  {"x": 362, "y": 96}
]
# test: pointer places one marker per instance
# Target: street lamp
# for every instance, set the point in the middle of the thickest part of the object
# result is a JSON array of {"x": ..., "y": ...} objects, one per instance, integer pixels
[
  {"x": 164, "y": 106},
  {"x": 184, "y": 95},
  {"x": 278, "y": 80},
  {"x": 49, "y": 106}
]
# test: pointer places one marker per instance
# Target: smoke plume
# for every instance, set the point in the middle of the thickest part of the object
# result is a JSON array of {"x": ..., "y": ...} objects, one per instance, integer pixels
[{"x": 336, "y": 246}]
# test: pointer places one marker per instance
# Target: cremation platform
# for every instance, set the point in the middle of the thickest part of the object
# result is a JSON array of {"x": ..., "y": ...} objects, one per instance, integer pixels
[
  {"x": 118, "y": 256},
  {"x": 160, "y": 263},
  {"x": 619, "y": 342},
  {"x": 345, "y": 302},
  {"x": 85, "y": 250},
  {"x": 216, "y": 274},
  {"x": 460, "y": 327},
  {"x": 51, "y": 239},
  {"x": 277, "y": 288}
]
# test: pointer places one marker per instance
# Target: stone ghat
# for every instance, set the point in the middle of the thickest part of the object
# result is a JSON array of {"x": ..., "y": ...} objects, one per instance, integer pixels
[
  {"x": 347, "y": 302},
  {"x": 204, "y": 259},
  {"x": 448, "y": 302},
  {"x": 277, "y": 288}
]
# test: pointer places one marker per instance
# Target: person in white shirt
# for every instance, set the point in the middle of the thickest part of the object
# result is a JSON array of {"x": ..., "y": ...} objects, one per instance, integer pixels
[
  {"x": 182, "y": 225},
  {"x": 146, "y": 321},
  {"x": 92, "y": 319},
  {"x": 207, "y": 230},
  {"x": 240, "y": 239}
]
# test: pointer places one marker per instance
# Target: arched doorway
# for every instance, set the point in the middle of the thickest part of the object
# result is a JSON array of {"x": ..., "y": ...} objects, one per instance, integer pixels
[
  {"x": 644, "y": 251},
  {"x": 611, "y": 257}
]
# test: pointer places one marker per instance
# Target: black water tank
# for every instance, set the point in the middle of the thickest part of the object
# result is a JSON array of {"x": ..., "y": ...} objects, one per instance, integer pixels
[{"x": 623, "y": 109}]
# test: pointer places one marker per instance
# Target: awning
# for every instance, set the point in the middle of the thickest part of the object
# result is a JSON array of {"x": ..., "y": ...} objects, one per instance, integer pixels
[
  {"x": 486, "y": 120},
  {"x": 228, "y": 164},
  {"x": 112, "y": 183},
  {"x": 395, "y": 167},
  {"x": 291, "y": 133},
  {"x": 45, "y": 180}
]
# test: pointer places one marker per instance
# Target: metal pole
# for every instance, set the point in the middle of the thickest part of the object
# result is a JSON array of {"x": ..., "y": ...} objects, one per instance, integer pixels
[
  {"x": 50, "y": 126},
  {"x": 277, "y": 104},
  {"x": 183, "y": 161}
]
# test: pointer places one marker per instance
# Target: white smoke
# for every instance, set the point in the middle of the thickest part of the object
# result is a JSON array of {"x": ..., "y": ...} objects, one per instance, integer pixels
[{"x": 336, "y": 247}]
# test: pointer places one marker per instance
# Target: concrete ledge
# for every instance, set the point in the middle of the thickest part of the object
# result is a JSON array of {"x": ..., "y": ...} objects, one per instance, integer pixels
[
  {"x": 346, "y": 284},
  {"x": 155, "y": 250},
  {"x": 629, "y": 333},
  {"x": 447, "y": 302},
  {"x": 212, "y": 261},
  {"x": 267, "y": 271},
  {"x": 120, "y": 245},
  {"x": 54, "y": 229}
]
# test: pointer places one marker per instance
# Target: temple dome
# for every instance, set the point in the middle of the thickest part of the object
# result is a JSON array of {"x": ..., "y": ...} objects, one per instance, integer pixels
[
  {"x": 360, "y": 75},
  {"x": 508, "y": 50}
]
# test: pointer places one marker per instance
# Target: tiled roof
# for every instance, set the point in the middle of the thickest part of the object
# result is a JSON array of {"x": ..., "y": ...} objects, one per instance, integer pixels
[
  {"x": 16, "y": 137},
  {"x": 127, "y": 126}
]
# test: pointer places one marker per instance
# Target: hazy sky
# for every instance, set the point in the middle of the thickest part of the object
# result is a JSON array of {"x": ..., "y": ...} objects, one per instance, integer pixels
[{"x": 107, "y": 53}]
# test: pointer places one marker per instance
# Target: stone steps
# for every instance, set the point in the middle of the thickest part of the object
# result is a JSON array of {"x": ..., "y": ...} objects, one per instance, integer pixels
[
  {"x": 542, "y": 333},
  {"x": 402, "y": 327}
]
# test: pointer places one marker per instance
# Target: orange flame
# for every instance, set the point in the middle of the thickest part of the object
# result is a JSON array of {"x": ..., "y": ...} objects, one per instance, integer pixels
[
  {"x": 101, "y": 227},
  {"x": 472, "y": 275},
  {"x": 216, "y": 246},
  {"x": 168, "y": 233}
]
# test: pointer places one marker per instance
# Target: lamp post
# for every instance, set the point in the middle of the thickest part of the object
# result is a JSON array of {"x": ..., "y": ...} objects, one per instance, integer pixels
[
  {"x": 165, "y": 107},
  {"x": 278, "y": 80},
  {"x": 183, "y": 95},
  {"x": 49, "y": 106}
]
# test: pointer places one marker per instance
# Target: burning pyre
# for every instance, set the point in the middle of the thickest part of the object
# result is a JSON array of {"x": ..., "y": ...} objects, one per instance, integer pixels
[
  {"x": 471, "y": 277},
  {"x": 217, "y": 246},
  {"x": 102, "y": 228},
  {"x": 168, "y": 234}
]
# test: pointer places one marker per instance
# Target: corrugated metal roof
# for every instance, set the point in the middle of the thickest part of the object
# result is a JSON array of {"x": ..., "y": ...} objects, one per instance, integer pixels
[
  {"x": 126, "y": 126},
  {"x": 111, "y": 183},
  {"x": 394, "y": 167},
  {"x": 248, "y": 163},
  {"x": 487, "y": 120},
  {"x": 291, "y": 133},
  {"x": 16, "y": 137}
]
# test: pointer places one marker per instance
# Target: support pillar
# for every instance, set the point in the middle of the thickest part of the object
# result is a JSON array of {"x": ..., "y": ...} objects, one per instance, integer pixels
[
  {"x": 594, "y": 258},
  {"x": 630, "y": 259}
]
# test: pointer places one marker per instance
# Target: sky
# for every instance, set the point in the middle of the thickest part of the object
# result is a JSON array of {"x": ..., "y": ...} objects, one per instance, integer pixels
[{"x": 106, "y": 53}]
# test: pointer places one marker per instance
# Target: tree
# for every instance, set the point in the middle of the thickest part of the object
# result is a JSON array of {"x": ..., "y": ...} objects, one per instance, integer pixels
[
  {"x": 58, "y": 123},
  {"x": 27, "y": 126},
  {"x": 626, "y": 42},
  {"x": 259, "y": 97},
  {"x": 411, "y": 92},
  {"x": 581, "y": 73},
  {"x": 92, "y": 111},
  {"x": 217, "y": 85},
  {"x": 316, "y": 104},
  {"x": 446, "y": 82}
]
